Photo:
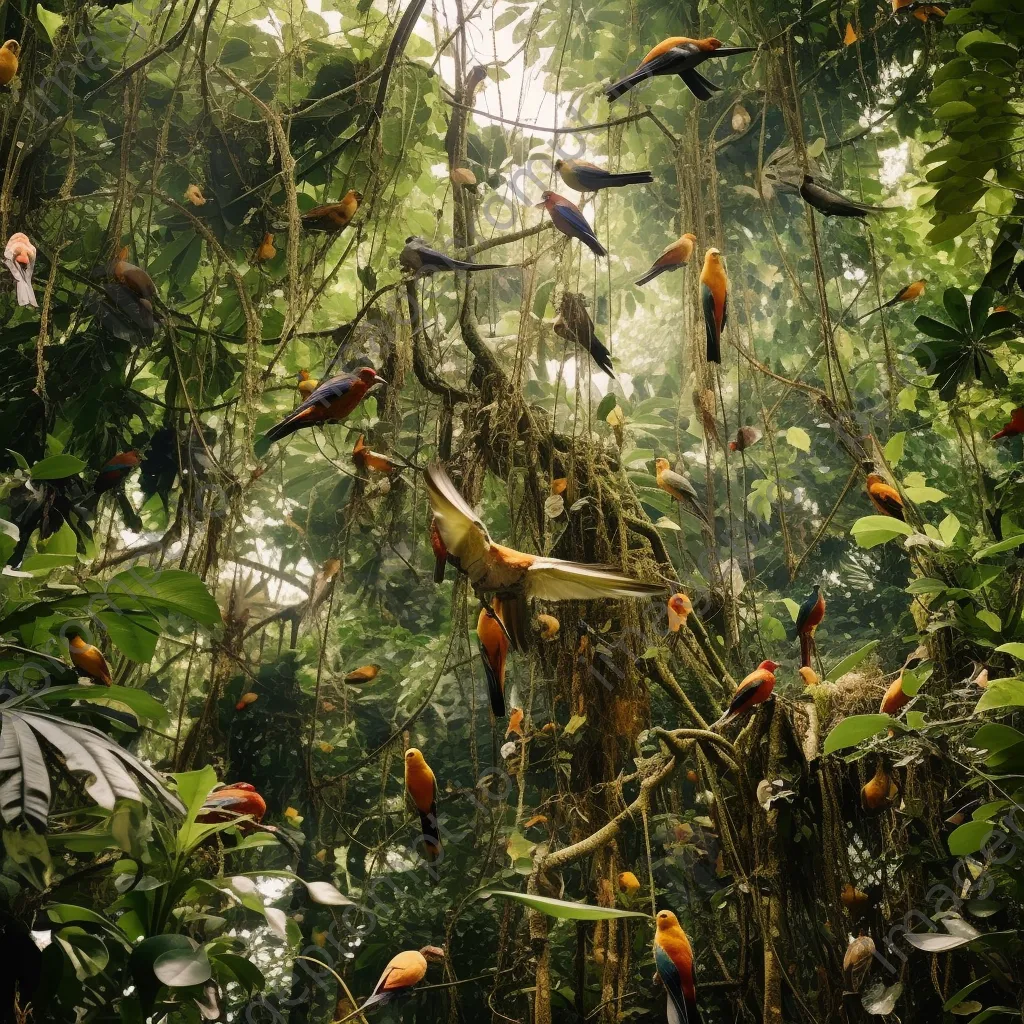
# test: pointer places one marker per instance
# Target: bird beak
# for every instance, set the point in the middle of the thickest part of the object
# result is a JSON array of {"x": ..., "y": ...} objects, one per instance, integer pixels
[
  {"x": 537, "y": 206},
  {"x": 378, "y": 379}
]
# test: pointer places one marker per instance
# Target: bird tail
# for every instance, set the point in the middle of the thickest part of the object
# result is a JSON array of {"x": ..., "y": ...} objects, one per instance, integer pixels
[
  {"x": 494, "y": 690},
  {"x": 439, "y": 566},
  {"x": 594, "y": 245},
  {"x": 871, "y": 312},
  {"x": 602, "y": 357},
  {"x": 805, "y": 650},
  {"x": 714, "y": 343},
  {"x": 131, "y": 518},
  {"x": 700, "y": 86},
  {"x": 26, "y": 296},
  {"x": 465, "y": 265},
  {"x": 623, "y": 85},
  {"x": 287, "y": 426},
  {"x": 430, "y": 834},
  {"x": 652, "y": 274},
  {"x": 629, "y": 178}
]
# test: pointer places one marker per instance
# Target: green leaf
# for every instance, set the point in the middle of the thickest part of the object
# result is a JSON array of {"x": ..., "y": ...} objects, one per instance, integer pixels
[
  {"x": 193, "y": 789},
  {"x": 1006, "y": 544},
  {"x": 851, "y": 661},
  {"x": 956, "y": 308},
  {"x": 565, "y": 910},
  {"x": 606, "y": 406},
  {"x": 1002, "y": 693},
  {"x": 792, "y": 607},
  {"x": 171, "y": 591},
  {"x": 926, "y": 585},
  {"x": 990, "y": 619},
  {"x": 52, "y": 23},
  {"x": 799, "y": 438},
  {"x": 919, "y": 495},
  {"x": 246, "y": 973},
  {"x": 960, "y": 996},
  {"x": 870, "y": 531},
  {"x": 949, "y": 528},
  {"x": 893, "y": 450},
  {"x": 1015, "y": 650},
  {"x": 853, "y": 730},
  {"x": 57, "y": 467},
  {"x": 133, "y": 634},
  {"x": 947, "y": 229},
  {"x": 953, "y": 109},
  {"x": 146, "y": 707},
  {"x": 180, "y": 968},
  {"x": 969, "y": 837}
]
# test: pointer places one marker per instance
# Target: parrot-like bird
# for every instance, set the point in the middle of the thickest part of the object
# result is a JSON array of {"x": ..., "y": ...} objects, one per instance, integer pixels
[
  {"x": 885, "y": 497},
  {"x": 714, "y": 293},
  {"x": 673, "y": 956},
  {"x": 1014, "y": 427},
  {"x": 913, "y": 291},
  {"x": 672, "y": 257},
  {"x": 88, "y": 659},
  {"x": 680, "y": 608},
  {"x": 493, "y": 652},
  {"x": 421, "y": 260},
  {"x": 402, "y": 973},
  {"x": 895, "y": 700},
  {"x": 9, "y": 61},
  {"x": 515, "y": 576},
  {"x": 584, "y": 176},
  {"x": 678, "y": 55},
  {"x": 20, "y": 259},
  {"x": 834, "y": 204},
  {"x": 754, "y": 689},
  {"x": 679, "y": 488},
  {"x": 574, "y": 324},
  {"x": 808, "y": 618},
  {"x": 334, "y": 217},
  {"x": 568, "y": 219},
  {"x": 421, "y": 786}
]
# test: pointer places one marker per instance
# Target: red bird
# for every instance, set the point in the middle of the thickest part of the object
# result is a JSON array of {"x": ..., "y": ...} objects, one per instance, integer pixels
[
  {"x": 331, "y": 402},
  {"x": 370, "y": 460},
  {"x": 237, "y": 800},
  {"x": 753, "y": 690},
  {"x": 714, "y": 290},
  {"x": 493, "y": 652},
  {"x": 884, "y": 497},
  {"x": 441, "y": 556},
  {"x": 895, "y": 700},
  {"x": 1014, "y": 427},
  {"x": 570, "y": 221},
  {"x": 812, "y": 611},
  {"x": 114, "y": 471}
]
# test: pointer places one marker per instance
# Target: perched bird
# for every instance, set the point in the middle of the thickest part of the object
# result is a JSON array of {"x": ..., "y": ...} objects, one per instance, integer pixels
[
  {"x": 515, "y": 575},
  {"x": 628, "y": 882},
  {"x": 559, "y": 485},
  {"x": 421, "y": 260},
  {"x": 245, "y": 700},
  {"x": 834, "y": 204},
  {"x": 880, "y": 791},
  {"x": 493, "y": 645},
  {"x": 680, "y": 607},
  {"x": 370, "y": 460},
  {"x": 306, "y": 384},
  {"x": 574, "y": 324},
  {"x": 895, "y": 700},
  {"x": 265, "y": 250},
  {"x": 548, "y": 626},
  {"x": 9, "y": 61},
  {"x": 745, "y": 438},
  {"x": 1014, "y": 427},
  {"x": 678, "y": 55},
  {"x": 679, "y": 487},
  {"x": 331, "y": 402},
  {"x": 859, "y": 954},
  {"x": 808, "y": 675},
  {"x": 584, "y": 176},
  {"x": 852, "y": 898},
  {"x": 88, "y": 659},
  {"x": 515, "y": 723},
  {"x": 333, "y": 217},
  {"x": 404, "y": 971},
  {"x": 237, "y": 800},
  {"x": 421, "y": 786},
  {"x": 568, "y": 219},
  {"x": 922, "y": 11},
  {"x": 673, "y": 956},
  {"x": 884, "y": 497},
  {"x": 754, "y": 689},
  {"x": 20, "y": 259},
  {"x": 137, "y": 291},
  {"x": 363, "y": 674},
  {"x": 672, "y": 257},
  {"x": 912, "y": 292},
  {"x": 808, "y": 618},
  {"x": 714, "y": 292},
  {"x": 111, "y": 476}
]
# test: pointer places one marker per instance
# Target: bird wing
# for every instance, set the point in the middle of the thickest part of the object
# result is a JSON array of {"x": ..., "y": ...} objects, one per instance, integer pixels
[
  {"x": 552, "y": 579},
  {"x": 462, "y": 531},
  {"x": 573, "y": 219},
  {"x": 679, "y": 482},
  {"x": 664, "y": 62},
  {"x": 889, "y": 499},
  {"x": 589, "y": 174},
  {"x": 19, "y": 271},
  {"x": 746, "y": 689},
  {"x": 710, "y": 320},
  {"x": 805, "y": 610},
  {"x": 673, "y": 982},
  {"x": 327, "y": 392}
]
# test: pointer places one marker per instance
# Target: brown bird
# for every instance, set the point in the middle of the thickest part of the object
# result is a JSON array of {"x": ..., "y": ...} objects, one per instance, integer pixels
[
  {"x": 857, "y": 960},
  {"x": 265, "y": 250},
  {"x": 363, "y": 674},
  {"x": 20, "y": 260},
  {"x": 911, "y": 293},
  {"x": 679, "y": 487},
  {"x": 880, "y": 791},
  {"x": 88, "y": 659},
  {"x": 334, "y": 216},
  {"x": 745, "y": 438},
  {"x": 672, "y": 257},
  {"x": 9, "y": 61},
  {"x": 895, "y": 700},
  {"x": 574, "y": 324},
  {"x": 138, "y": 284},
  {"x": 366, "y": 459}
]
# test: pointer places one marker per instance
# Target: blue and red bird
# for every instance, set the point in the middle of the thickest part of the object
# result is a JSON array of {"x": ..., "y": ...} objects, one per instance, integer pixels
[
  {"x": 570, "y": 221},
  {"x": 754, "y": 689},
  {"x": 812, "y": 611},
  {"x": 673, "y": 956}
]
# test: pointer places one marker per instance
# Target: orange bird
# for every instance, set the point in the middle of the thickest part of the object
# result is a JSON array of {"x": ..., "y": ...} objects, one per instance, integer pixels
[
  {"x": 880, "y": 791},
  {"x": 306, "y": 384},
  {"x": 238, "y": 800},
  {"x": 9, "y": 61},
  {"x": 139, "y": 285},
  {"x": 680, "y": 489},
  {"x": 405, "y": 970},
  {"x": 265, "y": 250},
  {"x": 679, "y": 610},
  {"x": 884, "y": 497},
  {"x": 895, "y": 700},
  {"x": 421, "y": 786},
  {"x": 714, "y": 289},
  {"x": 1014, "y": 427},
  {"x": 673, "y": 956},
  {"x": 912, "y": 291},
  {"x": 808, "y": 619},
  {"x": 628, "y": 882},
  {"x": 363, "y": 674},
  {"x": 368, "y": 460},
  {"x": 116, "y": 470},
  {"x": 331, "y": 402},
  {"x": 20, "y": 260},
  {"x": 570, "y": 221},
  {"x": 87, "y": 659},
  {"x": 493, "y": 651},
  {"x": 515, "y": 576},
  {"x": 678, "y": 55},
  {"x": 672, "y": 257},
  {"x": 335, "y": 216},
  {"x": 753, "y": 690}
]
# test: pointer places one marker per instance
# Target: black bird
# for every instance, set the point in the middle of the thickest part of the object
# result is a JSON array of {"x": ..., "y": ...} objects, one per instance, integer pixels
[
  {"x": 574, "y": 324},
  {"x": 419, "y": 258},
  {"x": 834, "y": 204}
]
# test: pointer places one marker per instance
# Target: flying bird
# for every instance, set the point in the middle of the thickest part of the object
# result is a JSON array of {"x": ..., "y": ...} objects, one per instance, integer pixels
[
  {"x": 885, "y": 497},
  {"x": 672, "y": 257},
  {"x": 421, "y": 260},
  {"x": 20, "y": 259},
  {"x": 568, "y": 219},
  {"x": 515, "y": 576},
  {"x": 678, "y": 55},
  {"x": 745, "y": 438},
  {"x": 9, "y": 61},
  {"x": 680, "y": 489},
  {"x": 584, "y": 176},
  {"x": 714, "y": 292},
  {"x": 421, "y": 786},
  {"x": 1014, "y": 427},
  {"x": 493, "y": 652},
  {"x": 913, "y": 291},
  {"x": 753, "y": 689},
  {"x": 88, "y": 659},
  {"x": 402, "y": 973},
  {"x": 574, "y": 324},
  {"x": 333, "y": 217},
  {"x": 834, "y": 204},
  {"x": 808, "y": 618},
  {"x": 673, "y": 957}
]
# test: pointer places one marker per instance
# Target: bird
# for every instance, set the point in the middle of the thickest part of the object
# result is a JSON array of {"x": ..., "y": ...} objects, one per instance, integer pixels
[
  {"x": 895, "y": 700},
  {"x": 714, "y": 297},
  {"x": 834, "y": 204},
  {"x": 673, "y": 956},
  {"x": 853, "y": 898},
  {"x": 231, "y": 801},
  {"x": 548, "y": 627},
  {"x": 370, "y": 460},
  {"x": 421, "y": 786},
  {"x": 885, "y": 497},
  {"x": 680, "y": 607},
  {"x": 265, "y": 250},
  {"x": 1014, "y": 427},
  {"x": 678, "y": 55},
  {"x": 753, "y": 689},
  {"x": 584, "y": 176},
  {"x": 857, "y": 961},
  {"x": 194, "y": 195},
  {"x": 745, "y": 438},
  {"x": 20, "y": 259},
  {"x": 672, "y": 257},
  {"x": 111, "y": 476},
  {"x": 402, "y": 973},
  {"x": 421, "y": 260},
  {"x": 363, "y": 674},
  {"x": 808, "y": 618},
  {"x": 568, "y": 219},
  {"x": 9, "y": 61},
  {"x": 880, "y": 791},
  {"x": 922, "y": 11},
  {"x": 574, "y": 324},
  {"x": 516, "y": 576},
  {"x": 493, "y": 651},
  {"x": 334, "y": 217},
  {"x": 808, "y": 675},
  {"x": 88, "y": 659},
  {"x": 441, "y": 556},
  {"x": 306, "y": 384},
  {"x": 331, "y": 402},
  {"x": 913, "y": 291},
  {"x": 680, "y": 489},
  {"x": 137, "y": 290},
  {"x": 628, "y": 882}
]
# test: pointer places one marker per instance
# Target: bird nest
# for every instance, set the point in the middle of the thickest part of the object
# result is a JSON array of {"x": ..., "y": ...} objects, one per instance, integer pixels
[{"x": 856, "y": 693}]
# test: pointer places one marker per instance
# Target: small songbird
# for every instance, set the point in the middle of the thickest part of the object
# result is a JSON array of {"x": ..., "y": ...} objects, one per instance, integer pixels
[
  {"x": 808, "y": 618},
  {"x": 236, "y": 800},
  {"x": 306, "y": 384},
  {"x": 493, "y": 652},
  {"x": 574, "y": 324},
  {"x": 672, "y": 257},
  {"x": 138, "y": 289},
  {"x": 421, "y": 786},
  {"x": 87, "y": 659},
  {"x": 714, "y": 291},
  {"x": 912, "y": 292},
  {"x": 548, "y": 627},
  {"x": 584, "y": 176},
  {"x": 568, "y": 219},
  {"x": 745, "y": 438},
  {"x": 333, "y": 217},
  {"x": 680, "y": 607},
  {"x": 1014, "y": 427},
  {"x": 515, "y": 575},
  {"x": 628, "y": 882},
  {"x": 673, "y": 956},
  {"x": 808, "y": 675},
  {"x": 895, "y": 700},
  {"x": 753, "y": 689},
  {"x": 114, "y": 471},
  {"x": 194, "y": 195},
  {"x": 265, "y": 250},
  {"x": 679, "y": 487},
  {"x": 884, "y": 497},
  {"x": 678, "y": 55},
  {"x": 363, "y": 674},
  {"x": 404, "y": 971},
  {"x": 421, "y": 260},
  {"x": 331, "y": 402},
  {"x": 20, "y": 259},
  {"x": 9, "y": 61},
  {"x": 880, "y": 791},
  {"x": 857, "y": 960},
  {"x": 366, "y": 459},
  {"x": 834, "y": 204}
]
